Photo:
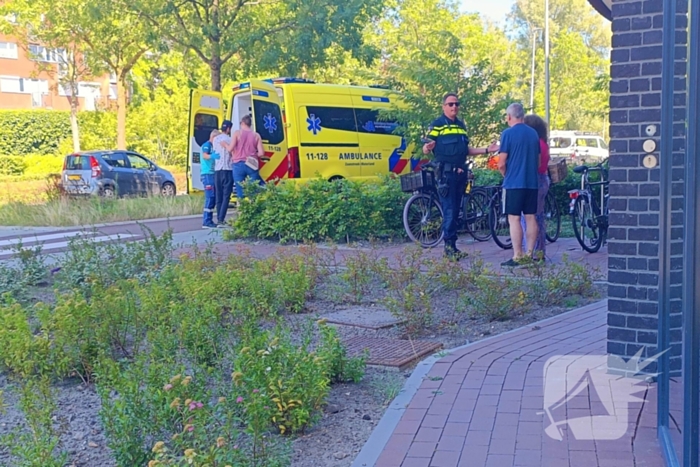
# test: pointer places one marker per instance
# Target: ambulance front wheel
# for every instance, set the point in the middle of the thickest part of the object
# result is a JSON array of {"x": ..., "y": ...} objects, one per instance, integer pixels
[
  {"x": 335, "y": 178},
  {"x": 422, "y": 219}
]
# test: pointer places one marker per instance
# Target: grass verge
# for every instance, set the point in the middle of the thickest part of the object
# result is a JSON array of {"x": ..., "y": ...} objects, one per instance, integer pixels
[{"x": 70, "y": 212}]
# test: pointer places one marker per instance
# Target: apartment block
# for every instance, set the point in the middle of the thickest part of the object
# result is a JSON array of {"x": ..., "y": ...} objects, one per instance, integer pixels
[{"x": 29, "y": 79}]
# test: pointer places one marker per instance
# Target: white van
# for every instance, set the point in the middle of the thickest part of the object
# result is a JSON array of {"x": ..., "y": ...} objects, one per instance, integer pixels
[{"x": 578, "y": 147}]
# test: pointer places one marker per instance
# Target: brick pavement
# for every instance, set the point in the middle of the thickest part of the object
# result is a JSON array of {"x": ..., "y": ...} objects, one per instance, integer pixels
[{"x": 482, "y": 406}]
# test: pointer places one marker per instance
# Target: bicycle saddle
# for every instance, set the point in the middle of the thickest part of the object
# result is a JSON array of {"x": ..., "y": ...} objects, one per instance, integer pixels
[{"x": 579, "y": 169}]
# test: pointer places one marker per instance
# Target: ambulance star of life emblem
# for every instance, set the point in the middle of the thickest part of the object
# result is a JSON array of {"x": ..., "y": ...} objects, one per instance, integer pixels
[
  {"x": 270, "y": 123},
  {"x": 314, "y": 123}
]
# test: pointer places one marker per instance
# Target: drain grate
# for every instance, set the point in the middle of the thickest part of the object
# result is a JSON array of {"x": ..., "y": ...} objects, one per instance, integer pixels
[{"x": 388, "y": 352}]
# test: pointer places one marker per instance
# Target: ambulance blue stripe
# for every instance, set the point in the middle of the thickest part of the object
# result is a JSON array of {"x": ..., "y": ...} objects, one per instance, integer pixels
[
  {"x": 375, "y": 99},
  {"x": 258, "y": 92}
]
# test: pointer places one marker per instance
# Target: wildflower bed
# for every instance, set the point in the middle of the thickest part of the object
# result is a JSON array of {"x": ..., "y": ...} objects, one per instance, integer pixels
[{"x": 205, "y": 360}]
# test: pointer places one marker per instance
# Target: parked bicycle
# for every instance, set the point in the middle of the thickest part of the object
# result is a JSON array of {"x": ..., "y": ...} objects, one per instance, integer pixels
[
  {"x": 423, "y": 215},
  {"x": 589, "y": 213},
  {"x": 500, "y": 227}
]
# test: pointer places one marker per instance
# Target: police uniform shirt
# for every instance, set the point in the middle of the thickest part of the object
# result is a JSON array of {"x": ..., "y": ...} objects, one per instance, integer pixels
[{"x": 451, "y": 141}]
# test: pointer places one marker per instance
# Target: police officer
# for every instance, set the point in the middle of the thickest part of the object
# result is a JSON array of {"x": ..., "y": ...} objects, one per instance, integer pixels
[{"x": 450, "y": 145}]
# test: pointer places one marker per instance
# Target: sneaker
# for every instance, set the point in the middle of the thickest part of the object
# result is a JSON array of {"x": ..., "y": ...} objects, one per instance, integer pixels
[
  {"x": 511, "y": 263},
  {"x": 222, "y": 225},
  {"x": 209, "y": 226}
]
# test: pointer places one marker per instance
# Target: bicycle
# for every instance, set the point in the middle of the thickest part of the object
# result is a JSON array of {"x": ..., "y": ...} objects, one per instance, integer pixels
[
  {"x": 500, "y": 226},
  {"x": 423, "y": 215},
  {"x": 585, "y": 211}
]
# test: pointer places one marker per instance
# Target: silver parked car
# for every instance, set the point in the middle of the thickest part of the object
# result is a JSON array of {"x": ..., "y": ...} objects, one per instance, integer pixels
[{"x": 114, "y": 173}]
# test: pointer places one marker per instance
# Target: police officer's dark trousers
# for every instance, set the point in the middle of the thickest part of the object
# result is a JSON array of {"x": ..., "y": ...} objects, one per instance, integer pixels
[{"x": 451, "y": 200}]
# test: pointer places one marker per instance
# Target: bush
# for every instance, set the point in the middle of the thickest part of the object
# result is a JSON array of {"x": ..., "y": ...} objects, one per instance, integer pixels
[
  {"x": 340, "y": 210},
  {"x": 12, "y": 166}
]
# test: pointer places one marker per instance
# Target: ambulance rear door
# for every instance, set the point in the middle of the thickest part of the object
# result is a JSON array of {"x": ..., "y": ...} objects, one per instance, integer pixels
[
  {"x": 383, "y": 151},
  {"x": 269, "y": 124},
  {"x": 206, "y": 114}
]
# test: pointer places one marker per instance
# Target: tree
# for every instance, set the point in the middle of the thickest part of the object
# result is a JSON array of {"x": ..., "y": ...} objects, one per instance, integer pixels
[
  {"x": 579, "y": 61},
  {"x": 259, "y": 36},
  {"x": 422, "y": 60},
  {"x": 45, "y": 23}
]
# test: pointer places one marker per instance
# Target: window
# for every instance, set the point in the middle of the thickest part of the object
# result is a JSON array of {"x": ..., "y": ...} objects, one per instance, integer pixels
[
  {"x": 560, "y": 142},
  {"x": 204, "y": 124},
  {"x": 8, "y": 50},
  {"x": 78, "y": 162},
  {"x": 587, "y": 142},
  {"x": 368, "y": 121},
  {"x": 43, "y": 54},
  {"x": 268, "y": 121},
  {"x": 23, "y": 85},
  {"x": 116, "y": 159},
  {"x": 138, "y": 162},
  {"x": 603, "y": 144},
  {"x": 334, "y": 118}
]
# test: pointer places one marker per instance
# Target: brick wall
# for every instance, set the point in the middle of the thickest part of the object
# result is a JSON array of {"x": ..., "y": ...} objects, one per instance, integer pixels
[{"x": 633, "y": 247}]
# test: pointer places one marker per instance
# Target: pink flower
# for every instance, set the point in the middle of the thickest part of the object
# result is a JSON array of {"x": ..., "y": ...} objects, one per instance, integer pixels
[
  {"x": 235, "y": 446},
  {"x": 190, "y": 428},
  {"x": 168, "y": 387},
  {"x": 199, "y": 405},
  {"x": 239, "y": 400},
  {"x": 255, "y": 391},
  {"x": 193, "y": 405}
]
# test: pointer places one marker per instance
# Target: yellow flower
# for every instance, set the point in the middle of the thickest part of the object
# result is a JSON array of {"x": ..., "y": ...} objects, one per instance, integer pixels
[
  {"x": 274, "y": 342},
  {"x": 236, "y": 376},
  {"x": 189, "y": 453},
  {"x": 321, "y": 321},
  {"x": 260, "y": 352},
  {"x": 220, "y": 442},
  {"x": 175, "y": 403},
  {"x": 158, "y": 447},
  {"x": 153, "y": 464},
  {"x": 175, "y": 379},
  {"x": 186, "y": 381},
  {"x": 245, "y": 350},
  {"x": 222, "y": 400}
]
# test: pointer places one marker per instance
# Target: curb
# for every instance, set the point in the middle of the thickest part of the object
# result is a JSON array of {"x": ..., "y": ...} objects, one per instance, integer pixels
[
  {"x": 106, "y": 224},
  {"x": 376, "y": 442}
]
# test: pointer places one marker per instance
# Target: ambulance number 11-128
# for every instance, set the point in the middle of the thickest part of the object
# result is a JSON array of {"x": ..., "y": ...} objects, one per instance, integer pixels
[{"x": 319, "y": 156}]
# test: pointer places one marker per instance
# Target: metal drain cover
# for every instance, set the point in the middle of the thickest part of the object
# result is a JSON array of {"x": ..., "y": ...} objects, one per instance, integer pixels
[{"x": 388, "y": 352}]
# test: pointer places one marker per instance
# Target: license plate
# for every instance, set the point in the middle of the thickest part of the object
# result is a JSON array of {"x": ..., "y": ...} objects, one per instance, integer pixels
[{"x": 74, "y": 177}]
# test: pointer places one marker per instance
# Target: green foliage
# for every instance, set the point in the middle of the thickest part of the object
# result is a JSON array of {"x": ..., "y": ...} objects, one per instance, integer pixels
[
  {"x": 37, "y": 444},
  {"x": 319, "y": 210},
  {"x": 32, "y": 131},
  {"x": 341, "y": 368},
  {"x": 12, "y": 165}
]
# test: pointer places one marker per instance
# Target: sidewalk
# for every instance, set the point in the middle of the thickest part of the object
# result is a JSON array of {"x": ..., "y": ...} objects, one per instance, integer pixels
[{"x": 482, "y": 406}]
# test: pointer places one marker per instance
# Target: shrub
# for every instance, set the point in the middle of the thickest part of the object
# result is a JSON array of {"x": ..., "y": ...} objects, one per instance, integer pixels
[
  {"x": 12, "y": 166},
  {"x": 318, "y": 210}
]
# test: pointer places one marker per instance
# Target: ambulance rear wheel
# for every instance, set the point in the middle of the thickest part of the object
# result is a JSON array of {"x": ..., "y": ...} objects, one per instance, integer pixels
[
  {"x": 335, "y": 178},
  {"x": 422, "y": 219}
]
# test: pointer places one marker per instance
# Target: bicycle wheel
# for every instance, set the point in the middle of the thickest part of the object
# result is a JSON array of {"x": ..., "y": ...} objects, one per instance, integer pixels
[
  {"x": 476, "y": 215},
  {"x": 583, "y": 220},
  {"x": 498, "y": 223},
  {"x": 422, "y": 219},
  {"x": 552, "y": 218},
  {"x": 479, "y": 225}
]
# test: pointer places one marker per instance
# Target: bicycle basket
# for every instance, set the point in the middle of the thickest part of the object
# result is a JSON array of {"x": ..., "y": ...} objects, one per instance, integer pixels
[
  {"x": 415, "y": 181},
  {"x": 557, "y": 170}
]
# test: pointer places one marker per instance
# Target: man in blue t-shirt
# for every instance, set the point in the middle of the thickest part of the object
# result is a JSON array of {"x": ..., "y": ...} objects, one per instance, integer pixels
[
  {"x": 208, "y": 160},
  {"x": 518, "y": 161}
]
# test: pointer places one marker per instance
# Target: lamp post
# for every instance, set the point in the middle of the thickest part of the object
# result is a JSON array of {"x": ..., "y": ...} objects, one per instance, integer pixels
[
  {"x": 532, "y": 76},
  {"x": 546, "y": 62}
]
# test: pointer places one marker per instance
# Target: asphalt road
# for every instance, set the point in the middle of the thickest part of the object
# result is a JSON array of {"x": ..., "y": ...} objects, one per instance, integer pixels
[{"x": 186, "y": 230}]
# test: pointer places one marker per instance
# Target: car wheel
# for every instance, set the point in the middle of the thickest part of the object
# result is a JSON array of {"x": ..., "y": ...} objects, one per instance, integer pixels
[
  {"x": 109, "y": 192},
  {"x": 168, "y": 189}
]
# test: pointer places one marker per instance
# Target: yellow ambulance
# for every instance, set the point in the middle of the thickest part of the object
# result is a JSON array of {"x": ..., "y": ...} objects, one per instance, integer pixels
[{"x": 308, "y": 129}]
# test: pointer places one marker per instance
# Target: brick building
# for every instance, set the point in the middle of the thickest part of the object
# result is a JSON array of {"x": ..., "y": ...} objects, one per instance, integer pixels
[{"x": 27, "y": 83}]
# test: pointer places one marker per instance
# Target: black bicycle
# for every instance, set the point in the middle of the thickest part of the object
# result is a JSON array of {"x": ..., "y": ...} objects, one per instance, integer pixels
[
  {"x": 589, "y": 213},
  {"x": 423, "y": 215},
  {"x": 500, "y": 227}
]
